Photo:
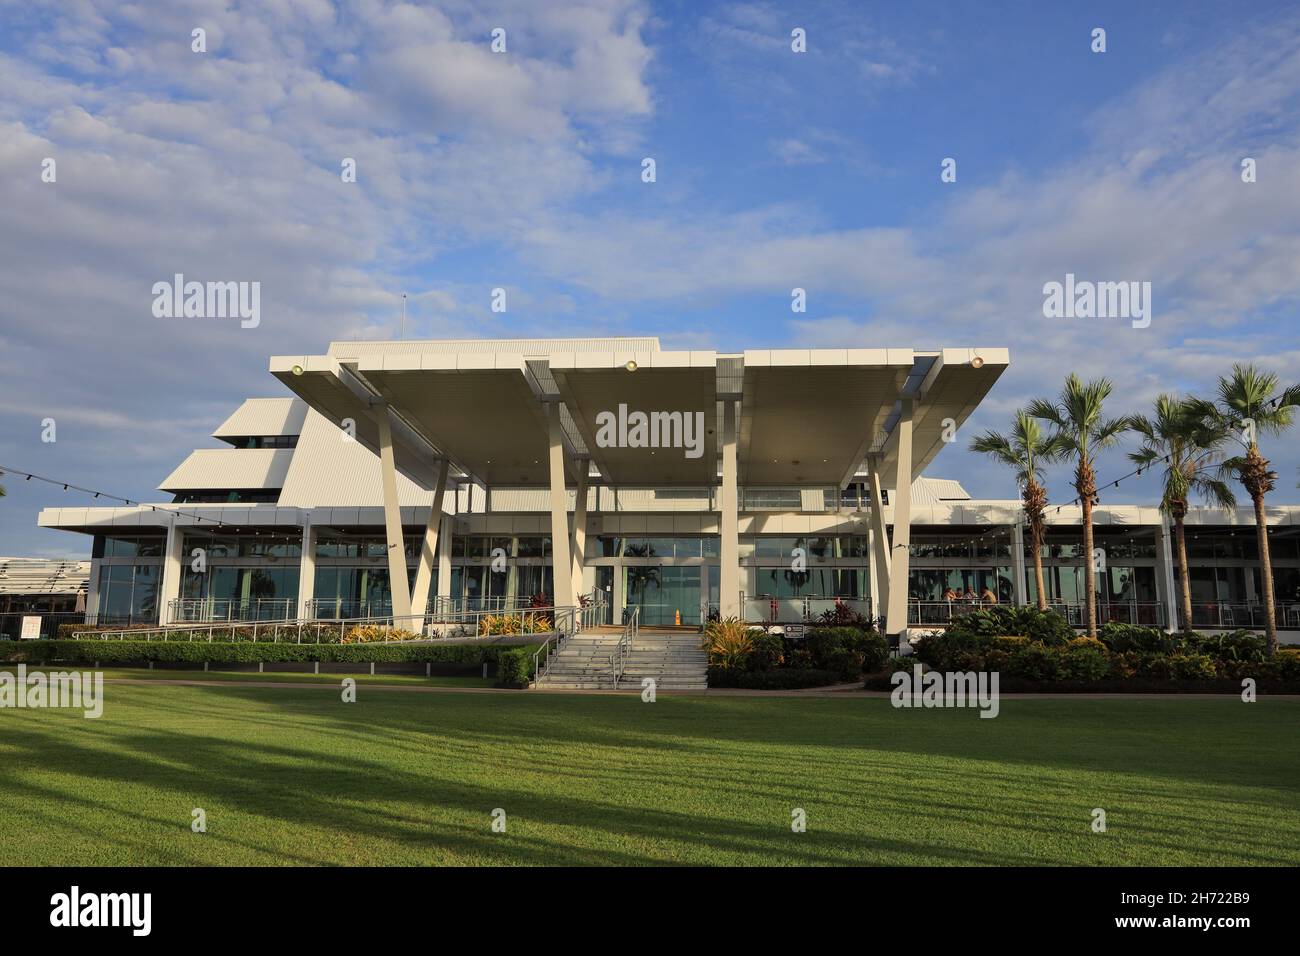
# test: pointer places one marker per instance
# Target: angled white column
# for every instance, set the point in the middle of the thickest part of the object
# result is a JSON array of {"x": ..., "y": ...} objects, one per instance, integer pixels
[
  {"x": 873, "y": 577},
  {"x": 900, "y": 550},
  {"x": 579, "y": 556},
  {"x": 429, "y": 549},
  {"x": 444, "y": 556},
  {"x": 1018, "y": 563},
  {"x": 729, "y": 524},
  {"x": 561, "y": 561},
  {"x": 1166, "y": 586},
  {"x": 307, "y": 569},
  {"x": 879, "y": 543},
  {"x": 173, "y": 566},
  {"x": 401, "y": 590}
]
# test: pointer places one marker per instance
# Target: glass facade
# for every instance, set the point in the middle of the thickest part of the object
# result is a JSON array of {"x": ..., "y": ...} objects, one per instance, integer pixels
[{"x": 129, "y": 592}]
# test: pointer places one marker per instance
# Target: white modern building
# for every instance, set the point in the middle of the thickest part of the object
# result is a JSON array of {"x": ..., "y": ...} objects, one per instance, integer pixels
[{"x": 770, "y": 484}]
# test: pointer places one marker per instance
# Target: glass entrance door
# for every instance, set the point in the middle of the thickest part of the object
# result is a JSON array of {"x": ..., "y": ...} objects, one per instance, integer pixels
[{"x": 663, "y": 593}]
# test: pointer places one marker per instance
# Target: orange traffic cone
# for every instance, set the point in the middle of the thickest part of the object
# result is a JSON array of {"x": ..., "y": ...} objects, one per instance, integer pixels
[{"x": 678, "y": 622}]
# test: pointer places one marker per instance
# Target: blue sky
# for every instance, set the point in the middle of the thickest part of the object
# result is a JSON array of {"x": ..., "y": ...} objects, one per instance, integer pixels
[{"x": 522, "y": 170}]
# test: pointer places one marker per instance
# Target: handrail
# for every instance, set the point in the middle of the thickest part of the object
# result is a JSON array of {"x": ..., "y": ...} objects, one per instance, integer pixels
[{"x": 618, "y": 660}]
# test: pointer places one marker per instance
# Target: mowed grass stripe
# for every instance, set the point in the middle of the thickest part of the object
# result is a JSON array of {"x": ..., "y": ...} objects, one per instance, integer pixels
[{"x": 296, "y": 776}]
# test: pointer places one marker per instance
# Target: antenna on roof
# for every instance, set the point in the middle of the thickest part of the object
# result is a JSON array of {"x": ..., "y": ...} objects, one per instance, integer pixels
[{"x": 403, "y": 333}]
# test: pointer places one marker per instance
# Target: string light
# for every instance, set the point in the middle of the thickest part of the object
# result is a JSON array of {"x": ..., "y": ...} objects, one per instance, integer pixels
[{"x": 69, "y": 486}]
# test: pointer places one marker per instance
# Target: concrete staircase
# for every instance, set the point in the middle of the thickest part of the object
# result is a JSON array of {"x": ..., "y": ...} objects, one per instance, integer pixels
[
  {"x": 673, "y": 658},
  {"x": 676, "y": 661}
]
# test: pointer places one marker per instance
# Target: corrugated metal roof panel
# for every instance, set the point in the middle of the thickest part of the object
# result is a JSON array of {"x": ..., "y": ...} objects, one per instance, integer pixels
[
  {"x": 221, "y": 468},
  {"x": 264, "y": 416},
  {"x": 39, "y": 576},
  {"x": 328, "y": 472}
]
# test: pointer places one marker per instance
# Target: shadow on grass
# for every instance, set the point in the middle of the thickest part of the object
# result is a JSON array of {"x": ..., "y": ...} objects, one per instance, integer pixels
[{"x": 414, "y": 777}]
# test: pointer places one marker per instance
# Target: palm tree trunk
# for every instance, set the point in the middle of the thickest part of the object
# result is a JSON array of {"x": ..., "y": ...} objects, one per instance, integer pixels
[
  {"x": 1266, "y": 574},
  {"x": 1090, "y": 571},
  {"x": 1036, "y": 537},
  {"x": 1184, "y": 577}
]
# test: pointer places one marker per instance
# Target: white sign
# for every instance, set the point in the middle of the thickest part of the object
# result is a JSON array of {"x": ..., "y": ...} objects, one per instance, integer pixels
[{"x": 31, "y": 628}]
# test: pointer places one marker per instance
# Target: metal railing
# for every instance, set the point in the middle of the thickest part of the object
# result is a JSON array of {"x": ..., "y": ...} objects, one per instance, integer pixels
[
  {"x": 428, "y": 627},
  {"x": 799, "y": 610},
  {"x": 1234, "y": 614},
  {"x": 223, "y": 609},
  {"x": 618, "y": 660},
  {"x": 941, "y": 613}
]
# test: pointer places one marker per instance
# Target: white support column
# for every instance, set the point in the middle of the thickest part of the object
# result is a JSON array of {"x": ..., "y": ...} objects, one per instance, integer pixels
[
  {"x": 1018, "y": 563},
  {"x": 92, "y": 590},
  {"x": 307, "y": 568},
  {"x": 579, "y": 554},
  {"x": 729, "y": 525},
  {"x": 900, "y": 555},
  {"x": 173, "y": 565},
  {"x": 616, "y": 597},
  {"x": 561, "y": 561},
  {"x": 1166, "y": 589},
  {"x": 873, "y": 580},
  {"x": 444, "y": 556},
  {"x": 879, "y": 543},
  {"x": 429, "y": 549},
  {"x": 397, "y": 582}
]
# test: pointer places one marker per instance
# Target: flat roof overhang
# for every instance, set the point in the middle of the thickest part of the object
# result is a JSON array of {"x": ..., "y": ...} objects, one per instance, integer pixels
[
  {"x": 807, "y": 416},
  {"x": 945, "y": 395},
  {"x": 593, "y": 385}
]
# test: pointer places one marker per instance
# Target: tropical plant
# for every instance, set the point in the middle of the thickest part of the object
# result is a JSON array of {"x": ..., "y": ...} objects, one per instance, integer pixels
[
  {"x": 1248, "y": 407},
  {"x": 728, "y": 642},
  {"x": 1186, "y": 436},
  {"x": 1026, "y": 449},
  {"x": 1080, "y": 432}
]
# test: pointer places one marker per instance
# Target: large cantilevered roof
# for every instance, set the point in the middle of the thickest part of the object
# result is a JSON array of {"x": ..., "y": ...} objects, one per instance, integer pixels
[{"x": 806, "y": 416}]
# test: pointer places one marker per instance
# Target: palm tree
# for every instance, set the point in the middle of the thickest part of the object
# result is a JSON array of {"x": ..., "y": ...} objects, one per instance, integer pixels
[
  {"x": 1025, "y": 449},
  {"x": 1245, "y": 407},
  {"x": 1185, "y": 436},
  {"x": 1081, "y": 433}
]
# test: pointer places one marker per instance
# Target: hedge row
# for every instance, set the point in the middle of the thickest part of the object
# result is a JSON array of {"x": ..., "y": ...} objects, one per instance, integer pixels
[
  {"x": 1088, "y": 660},
  {"x": 200, "y": 652}
]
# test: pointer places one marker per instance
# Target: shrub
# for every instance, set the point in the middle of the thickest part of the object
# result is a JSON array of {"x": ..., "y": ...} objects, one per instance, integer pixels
[
  {"x": 1123, "y": 665},
  {"x": 1193, "y": 667},
  {"x": 847, "y": 651},
  {"x": 1155, "y": 666},
  {"x": 1045, "y": 627},
  {"x": 1085, "y": 659},
  {"x": 783, "y": 678},
  {"x": 371, "y": 633},
  {"x": 841, "y": 615},
  {"x": 767, "y": 651},
  {"x": 1287, "y": 663},
  {"x": 1036, "y": 662},
  {"x": 1238, "y": 645},
  {"x": 1134, "y": 637},
  {"x": 246, "y": 652},
  {"x": 949, "y": 649},
  {"x": 729, "y": 642},
  {"x": 515, "y": 666}
]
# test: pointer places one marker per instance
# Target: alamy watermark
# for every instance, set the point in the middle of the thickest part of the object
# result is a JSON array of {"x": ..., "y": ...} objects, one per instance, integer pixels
[
  {"x": 624, "y": 429},
  {"x": 179, "y": 299},
  {"x": 1098, "y": 300},
  {"x": 75, "y": 908},
  {"x": 947, "y": 689},
  {"x": 78, "y": 690}
]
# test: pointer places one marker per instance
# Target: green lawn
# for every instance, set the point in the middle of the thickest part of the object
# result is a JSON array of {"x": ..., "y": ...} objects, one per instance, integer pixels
[{"x": 297, "y": 776}]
